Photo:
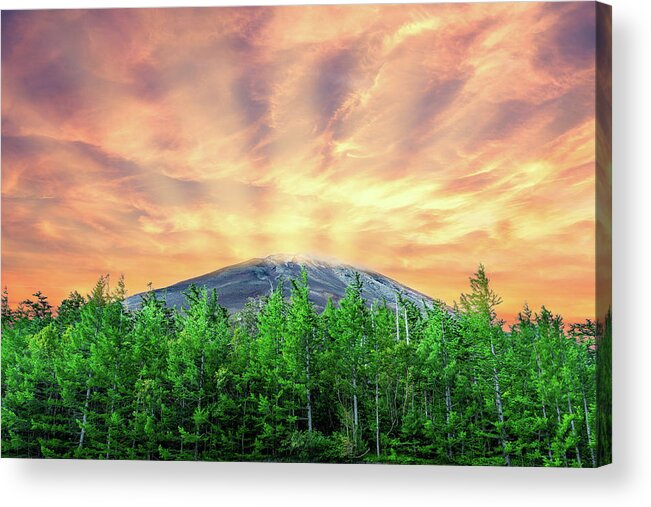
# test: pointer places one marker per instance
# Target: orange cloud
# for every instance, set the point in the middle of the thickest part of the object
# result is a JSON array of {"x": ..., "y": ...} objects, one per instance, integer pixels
[{"x": 418, "y": 140}]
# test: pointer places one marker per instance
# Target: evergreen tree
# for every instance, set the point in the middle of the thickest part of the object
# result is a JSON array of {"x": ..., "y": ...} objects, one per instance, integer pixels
[
  {"x": 350, "y": 345},
  {"x": 387, "y": 381}
]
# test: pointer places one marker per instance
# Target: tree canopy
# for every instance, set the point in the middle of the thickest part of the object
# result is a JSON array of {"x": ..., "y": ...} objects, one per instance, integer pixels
[{"x": 383, "y": 381}]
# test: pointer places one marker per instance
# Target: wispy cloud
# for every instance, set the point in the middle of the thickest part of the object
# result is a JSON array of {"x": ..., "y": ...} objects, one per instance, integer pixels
[{"x": 417, "y": 140}]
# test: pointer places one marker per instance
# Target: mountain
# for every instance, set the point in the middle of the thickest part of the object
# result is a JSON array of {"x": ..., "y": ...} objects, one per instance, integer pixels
[{"x": 238, "y": 283}]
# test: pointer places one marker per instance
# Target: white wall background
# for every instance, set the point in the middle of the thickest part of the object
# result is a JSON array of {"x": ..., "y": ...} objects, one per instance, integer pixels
[{"x": 626, "y": 482}]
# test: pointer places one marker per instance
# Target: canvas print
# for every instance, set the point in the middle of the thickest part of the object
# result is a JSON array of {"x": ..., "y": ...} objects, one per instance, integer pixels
[{"x": 336, "y": 234}]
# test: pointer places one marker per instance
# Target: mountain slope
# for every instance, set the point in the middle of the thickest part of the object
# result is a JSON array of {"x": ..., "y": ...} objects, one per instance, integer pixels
[{"x": 238, "y": 283}]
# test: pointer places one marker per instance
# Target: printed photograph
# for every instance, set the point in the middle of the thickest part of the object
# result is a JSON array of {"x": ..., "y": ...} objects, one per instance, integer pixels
[{"x": 338, "y": 234}]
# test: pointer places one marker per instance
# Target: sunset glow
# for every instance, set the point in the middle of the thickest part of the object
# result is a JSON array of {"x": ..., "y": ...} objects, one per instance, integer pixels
[{"x": 415, "y": 140}]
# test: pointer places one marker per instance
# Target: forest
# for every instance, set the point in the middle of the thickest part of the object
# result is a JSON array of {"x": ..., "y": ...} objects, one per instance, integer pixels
[{"x": 281, "y": 381}]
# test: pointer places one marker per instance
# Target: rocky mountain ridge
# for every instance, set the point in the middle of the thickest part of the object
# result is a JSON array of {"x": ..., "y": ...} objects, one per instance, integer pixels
[{"x": 238, "y": 283}]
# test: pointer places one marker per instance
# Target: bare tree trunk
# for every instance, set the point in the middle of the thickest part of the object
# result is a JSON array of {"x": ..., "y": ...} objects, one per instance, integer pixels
[
  {"x": 355, "y": 413},
  {"x": 309, "y": 392},
  {"x": 377, "y": 387},
  {"x": 135, "y": 417},
  {"x": 182, "y": 418},
  {"x": 558, "y": 417},
  {"x": 549, "y": 448},
  {"x": 377, "y": 415},
  {"x": 397, "y": 320},
  {"x": 425, "y": 397},
  {"x": 406, "y": 326},
  {"x": 86, "y": 403},
  {"x": 108, "y": 437},
  {"x": 544, "y": 408},
  {"x": 587, "y": 427},
  {"x": 500, "y": 411},
  {"x": 448, "y": 396},
  {"x": 85, "y": 415},
  {"x": 448, "y": 410},
  {"x": 113, "y": 388},
  {"x": 576, "y": 447},
  {"x": 404, "y": 403}
]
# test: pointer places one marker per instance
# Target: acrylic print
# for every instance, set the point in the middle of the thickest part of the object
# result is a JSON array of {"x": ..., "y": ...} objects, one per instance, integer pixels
[{"x": 338, "y": 234}]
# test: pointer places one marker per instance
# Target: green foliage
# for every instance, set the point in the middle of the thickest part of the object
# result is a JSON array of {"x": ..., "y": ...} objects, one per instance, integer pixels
[{"x": 393, "y": 383}]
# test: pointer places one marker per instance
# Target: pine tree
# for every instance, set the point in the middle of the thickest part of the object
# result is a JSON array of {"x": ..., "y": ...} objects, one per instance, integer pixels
[
  {"x": 361, "y": 381},
  {"x": 195, "y": 358},
  {"x": 267, "y": 371},
  {"x": 350, "y": 343},
  {"x": 300, "y": 345},
  {"x": 481, "y": 325}
]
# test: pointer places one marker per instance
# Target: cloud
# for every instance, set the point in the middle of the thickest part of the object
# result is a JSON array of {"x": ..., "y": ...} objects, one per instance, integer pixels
[
  {"x": 571, "y": 40},
  {"x": 416, "y": 140}
]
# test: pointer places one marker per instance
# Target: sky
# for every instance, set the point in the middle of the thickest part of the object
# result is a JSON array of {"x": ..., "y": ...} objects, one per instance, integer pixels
[{"x": 414, "y": 140}]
